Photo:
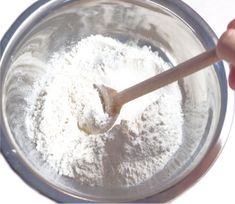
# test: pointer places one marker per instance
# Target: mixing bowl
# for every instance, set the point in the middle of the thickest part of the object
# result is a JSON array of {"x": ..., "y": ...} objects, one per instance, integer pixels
[{"x": 169, "y": 27}]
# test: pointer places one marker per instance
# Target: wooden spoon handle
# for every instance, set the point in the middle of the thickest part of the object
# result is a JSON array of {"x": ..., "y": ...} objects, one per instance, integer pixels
[
  {"x": 184, "y": 69},
  {"x": 224, "y": 50}
]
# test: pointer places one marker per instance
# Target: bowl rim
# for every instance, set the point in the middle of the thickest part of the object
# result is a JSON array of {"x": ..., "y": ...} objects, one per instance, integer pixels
[{"x": 206, "y": 36}]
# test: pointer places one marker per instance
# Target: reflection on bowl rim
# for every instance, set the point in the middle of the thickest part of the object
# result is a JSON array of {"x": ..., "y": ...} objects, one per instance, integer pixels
[{"x": 206, "y": 35}]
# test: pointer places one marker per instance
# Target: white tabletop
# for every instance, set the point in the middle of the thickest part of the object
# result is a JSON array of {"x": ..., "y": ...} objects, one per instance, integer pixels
[{"x": 214, "y": 187}]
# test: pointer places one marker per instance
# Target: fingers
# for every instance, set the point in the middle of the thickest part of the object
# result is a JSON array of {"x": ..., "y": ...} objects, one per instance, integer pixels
[
  {"x": 226, "y": 46},
  {"x": 231, "y": 25},
  {"x": 231, "y": 78}
]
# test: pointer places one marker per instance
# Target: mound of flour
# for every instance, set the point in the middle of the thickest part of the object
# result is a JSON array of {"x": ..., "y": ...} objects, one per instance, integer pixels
[{"x": 145, "y": 136}]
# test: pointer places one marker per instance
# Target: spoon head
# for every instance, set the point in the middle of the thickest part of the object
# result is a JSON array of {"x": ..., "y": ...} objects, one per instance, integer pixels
[
  {"x": 93, "y": 125},
  {"x": 91, "y": 128},
  {"x": 107, "y": 97}
]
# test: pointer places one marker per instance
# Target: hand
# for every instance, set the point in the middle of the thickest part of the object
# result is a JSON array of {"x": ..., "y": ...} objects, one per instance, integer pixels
[{"x": 231, "y": 78}]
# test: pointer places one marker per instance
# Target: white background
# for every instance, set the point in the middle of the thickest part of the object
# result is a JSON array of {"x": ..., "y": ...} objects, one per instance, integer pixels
[{"x": 215, "y": 187}]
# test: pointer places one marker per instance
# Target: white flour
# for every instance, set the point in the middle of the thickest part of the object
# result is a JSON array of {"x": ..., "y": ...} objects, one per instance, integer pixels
[{"x": 144, "y": 138}]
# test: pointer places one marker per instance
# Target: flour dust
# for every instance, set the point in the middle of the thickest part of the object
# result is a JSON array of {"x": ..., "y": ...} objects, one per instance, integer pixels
[{"x": 146, "y": 135}]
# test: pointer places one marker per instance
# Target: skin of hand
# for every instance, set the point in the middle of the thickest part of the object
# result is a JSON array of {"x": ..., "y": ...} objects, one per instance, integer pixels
[{"x": 231, "y": 78}]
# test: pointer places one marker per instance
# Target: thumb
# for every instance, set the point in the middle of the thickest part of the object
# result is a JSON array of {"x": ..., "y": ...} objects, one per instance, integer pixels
[{"x": 231, "y": 78}]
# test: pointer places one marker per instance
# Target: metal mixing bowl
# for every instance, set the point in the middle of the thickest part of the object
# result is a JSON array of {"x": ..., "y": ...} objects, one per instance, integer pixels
[{"x": 171, "y": 28}]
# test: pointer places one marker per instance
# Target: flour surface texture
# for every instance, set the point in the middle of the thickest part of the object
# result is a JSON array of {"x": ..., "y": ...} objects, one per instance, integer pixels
[{"x": 146, "y": 135}]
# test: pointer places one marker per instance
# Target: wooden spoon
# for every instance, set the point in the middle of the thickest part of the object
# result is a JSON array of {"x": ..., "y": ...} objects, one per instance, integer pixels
[{"x": 113, "y": 100}]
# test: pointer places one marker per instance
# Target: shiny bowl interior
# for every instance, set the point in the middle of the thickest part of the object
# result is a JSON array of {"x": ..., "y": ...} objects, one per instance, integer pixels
[{"x": 165, "y": 26}]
